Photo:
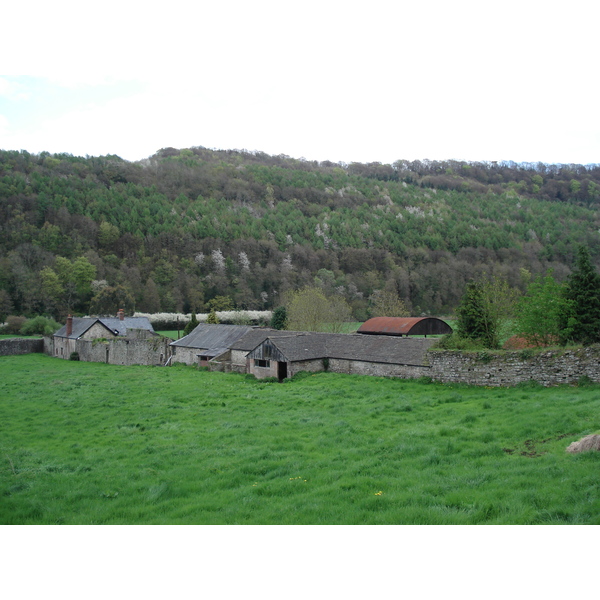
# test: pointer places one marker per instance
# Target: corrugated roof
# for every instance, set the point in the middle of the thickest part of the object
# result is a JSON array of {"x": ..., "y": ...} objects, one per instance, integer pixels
[
  {"x": 212, "y": 336},
  {"x": 405, "y": 326}
]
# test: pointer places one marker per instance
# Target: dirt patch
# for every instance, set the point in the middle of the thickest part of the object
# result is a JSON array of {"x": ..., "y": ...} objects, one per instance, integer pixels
[{"x": 531, "y": 450}]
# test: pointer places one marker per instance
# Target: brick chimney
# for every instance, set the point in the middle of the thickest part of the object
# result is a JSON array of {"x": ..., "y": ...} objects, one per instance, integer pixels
[
  {"x": 121, "y": 314},
  {"x": 69, "y": 325}
]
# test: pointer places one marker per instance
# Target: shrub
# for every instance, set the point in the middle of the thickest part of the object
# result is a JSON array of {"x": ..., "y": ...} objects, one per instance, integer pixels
[
  {"x": 74, "y": 356},
  {"x": 40, "y": 326},
  {"x": 14, "y": 324}
]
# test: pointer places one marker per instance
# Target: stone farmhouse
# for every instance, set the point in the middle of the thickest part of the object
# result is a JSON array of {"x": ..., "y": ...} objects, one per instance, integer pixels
[{"x": 116, "y": 340}]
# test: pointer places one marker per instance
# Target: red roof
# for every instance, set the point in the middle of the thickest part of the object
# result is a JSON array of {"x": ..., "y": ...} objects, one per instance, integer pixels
[{"x": 405, "y": 326}]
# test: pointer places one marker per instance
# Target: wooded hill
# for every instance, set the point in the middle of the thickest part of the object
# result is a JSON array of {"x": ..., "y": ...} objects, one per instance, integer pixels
[{"x": 185, "y": 226}]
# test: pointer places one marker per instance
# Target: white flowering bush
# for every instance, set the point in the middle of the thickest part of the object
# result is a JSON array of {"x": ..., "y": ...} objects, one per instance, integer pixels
[{"x": 161, "y": 321}]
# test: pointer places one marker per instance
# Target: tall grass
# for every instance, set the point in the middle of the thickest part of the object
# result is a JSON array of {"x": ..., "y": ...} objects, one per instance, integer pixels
[{"x": 91, "y": 443}]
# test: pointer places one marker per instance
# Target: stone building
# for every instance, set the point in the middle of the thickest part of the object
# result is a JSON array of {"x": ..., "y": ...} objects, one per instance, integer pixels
[
  {"x": 285, "y": 355},
  {"x": 77, "y": 335}
]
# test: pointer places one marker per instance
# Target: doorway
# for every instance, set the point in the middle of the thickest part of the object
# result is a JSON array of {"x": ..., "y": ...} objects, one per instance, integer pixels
[{"x": 282, "y": 371}]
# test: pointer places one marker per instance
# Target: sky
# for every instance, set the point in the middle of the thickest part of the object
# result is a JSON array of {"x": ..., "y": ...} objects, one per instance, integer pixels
[{"x": 331, "y": 80}]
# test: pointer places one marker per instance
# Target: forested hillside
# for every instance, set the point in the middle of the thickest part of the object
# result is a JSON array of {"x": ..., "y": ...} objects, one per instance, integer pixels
[{"x": 185, "y": 226}]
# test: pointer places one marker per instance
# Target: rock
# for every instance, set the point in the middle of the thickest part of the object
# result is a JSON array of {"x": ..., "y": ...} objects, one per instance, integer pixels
[{"x": 589, "y": 442}]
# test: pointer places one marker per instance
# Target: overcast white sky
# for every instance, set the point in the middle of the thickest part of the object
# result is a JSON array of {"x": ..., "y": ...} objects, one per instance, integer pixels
[{"x": 325, "y": 80}]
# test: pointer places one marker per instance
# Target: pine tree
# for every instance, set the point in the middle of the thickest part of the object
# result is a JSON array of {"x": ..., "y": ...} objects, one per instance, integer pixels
[
  {"x": 191, "y": 325},
  {"x": 475, "y": 320},
  {"x": 580, "y": 320},
  {"x": 279, "y": 318},
  {"x": 212, "y": 318}
]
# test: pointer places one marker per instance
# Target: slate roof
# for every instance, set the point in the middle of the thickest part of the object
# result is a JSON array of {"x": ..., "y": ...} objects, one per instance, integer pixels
[
  {"x": 206, "y": 336},
  {"x": 254, "y": 337},
  {"x": 113, "y": 325},
  {"x": 373, "y": 348}
]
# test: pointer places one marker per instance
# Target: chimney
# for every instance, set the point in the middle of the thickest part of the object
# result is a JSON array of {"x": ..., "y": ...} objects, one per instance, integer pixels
[
  {"x": 121, "y": 314},
  {"x": 69, "y": 325}
]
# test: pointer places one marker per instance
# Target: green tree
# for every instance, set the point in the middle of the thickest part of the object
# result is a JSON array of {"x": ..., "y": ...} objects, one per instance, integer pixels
[
  {"x": 111, "y": 299},
  {"x": 221, "y": 303},
  {"x": 212, "y": 318},
  {"x": 52, "y": 290},
  {"x": 76, "y": 278},
  {"x": 475, "y": 321},
  {"x": 387, "y": 303},
  {"x": 539, "y": 311},
  {"x": 309, "y": 309},
  {"x": 191, "y": 325},
  {"x": 580, "y": 317},
  {"x": 279, "y": 318},
  {"x": 6, "y": 305}
]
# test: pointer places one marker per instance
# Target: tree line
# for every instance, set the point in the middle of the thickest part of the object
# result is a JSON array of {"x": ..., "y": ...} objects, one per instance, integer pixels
[{"x": 178, "y": 230}]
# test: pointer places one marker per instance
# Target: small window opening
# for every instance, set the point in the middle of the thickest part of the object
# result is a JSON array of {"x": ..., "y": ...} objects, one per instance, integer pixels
[{"x": 259, "y": 362}]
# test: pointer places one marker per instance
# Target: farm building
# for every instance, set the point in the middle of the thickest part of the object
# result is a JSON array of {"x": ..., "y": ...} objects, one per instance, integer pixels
[
  {"x": 70, "y": 337},
  {"x": 400, "y": 326},
  {"x": 285, "y": 355},
  {"x": 92, "y": 328},
  {"x": 206, "y": 342}
]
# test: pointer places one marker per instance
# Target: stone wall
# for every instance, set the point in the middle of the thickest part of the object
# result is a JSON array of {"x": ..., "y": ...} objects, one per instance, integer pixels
[
  {"x": 11, "y": 346},
  {"x": 551, "y": 367},
  {"x": 337, "y": 365},
  {"x": 124, "y": 351}
]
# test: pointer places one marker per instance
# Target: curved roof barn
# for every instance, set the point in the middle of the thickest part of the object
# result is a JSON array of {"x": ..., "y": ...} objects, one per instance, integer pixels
[{"x": 405, "y": 326}]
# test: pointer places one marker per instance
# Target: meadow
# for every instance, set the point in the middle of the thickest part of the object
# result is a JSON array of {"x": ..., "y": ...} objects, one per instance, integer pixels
[{"x": 87, "y": 443}]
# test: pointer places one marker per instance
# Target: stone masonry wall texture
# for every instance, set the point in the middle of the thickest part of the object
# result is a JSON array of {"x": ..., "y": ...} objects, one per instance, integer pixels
[
  {"x": 13, "y": 346},
  {"x": 548, "y": 368}
]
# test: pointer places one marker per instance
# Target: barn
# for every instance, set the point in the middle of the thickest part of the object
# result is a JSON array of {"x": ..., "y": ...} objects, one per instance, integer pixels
[
  {"x": 206, "y": 342},
  {"x": 405, "y": 326},
  {"x": 285, "y": 355}
]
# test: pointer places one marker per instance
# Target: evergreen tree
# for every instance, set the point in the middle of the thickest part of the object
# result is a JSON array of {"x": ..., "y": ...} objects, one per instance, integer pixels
[
  {"x": 475, "y": 320},
  {"x": 580, "y": 319},
  {"x": 191, "y": 325},
  {"x": 279, "y": 318},
  {"x": 212, "y": 318}
]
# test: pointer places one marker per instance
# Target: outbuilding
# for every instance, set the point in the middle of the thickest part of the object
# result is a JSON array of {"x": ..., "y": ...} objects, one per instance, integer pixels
[
  {"x": 285, "y": 355},
  {"x": 405, "y": 326}
]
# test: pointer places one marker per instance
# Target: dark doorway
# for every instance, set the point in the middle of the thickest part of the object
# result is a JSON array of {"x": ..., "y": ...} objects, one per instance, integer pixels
[{"x": 281, "y": 370}]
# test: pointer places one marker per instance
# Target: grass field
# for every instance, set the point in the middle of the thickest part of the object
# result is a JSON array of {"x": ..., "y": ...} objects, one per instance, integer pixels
[{"x": 87, "y": 443}]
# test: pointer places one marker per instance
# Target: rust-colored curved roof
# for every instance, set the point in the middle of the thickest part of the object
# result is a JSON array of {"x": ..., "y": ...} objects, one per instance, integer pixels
[{"x": 405, "y": 326}]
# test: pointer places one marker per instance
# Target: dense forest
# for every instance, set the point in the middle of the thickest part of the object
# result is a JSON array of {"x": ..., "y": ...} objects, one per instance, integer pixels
[{"x": 184, "y": 227}]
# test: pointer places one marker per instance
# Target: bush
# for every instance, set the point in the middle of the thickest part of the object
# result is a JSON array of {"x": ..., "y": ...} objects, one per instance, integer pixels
[
  {"x": 74, "y": 356},
  {"x": 40, "y": 326},
  {"x": 14, "y": 324}
]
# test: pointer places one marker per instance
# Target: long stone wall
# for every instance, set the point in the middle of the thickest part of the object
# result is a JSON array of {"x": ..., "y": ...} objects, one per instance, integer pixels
[
  {"x": 12, "y": 346},
  {"x": 552, "y": 367},
  {"x": 338, "y": 365}
]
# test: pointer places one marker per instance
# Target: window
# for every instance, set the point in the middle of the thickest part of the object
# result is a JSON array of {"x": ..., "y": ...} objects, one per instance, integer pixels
[{"x": 262, "y": 363}]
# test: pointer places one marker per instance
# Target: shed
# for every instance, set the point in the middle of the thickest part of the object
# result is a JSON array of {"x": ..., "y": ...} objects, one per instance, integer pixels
[{"x": 400, "y": 326}]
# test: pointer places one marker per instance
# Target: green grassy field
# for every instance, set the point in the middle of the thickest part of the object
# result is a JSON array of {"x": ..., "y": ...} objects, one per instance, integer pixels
[{"x": 87, "y": 443}]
